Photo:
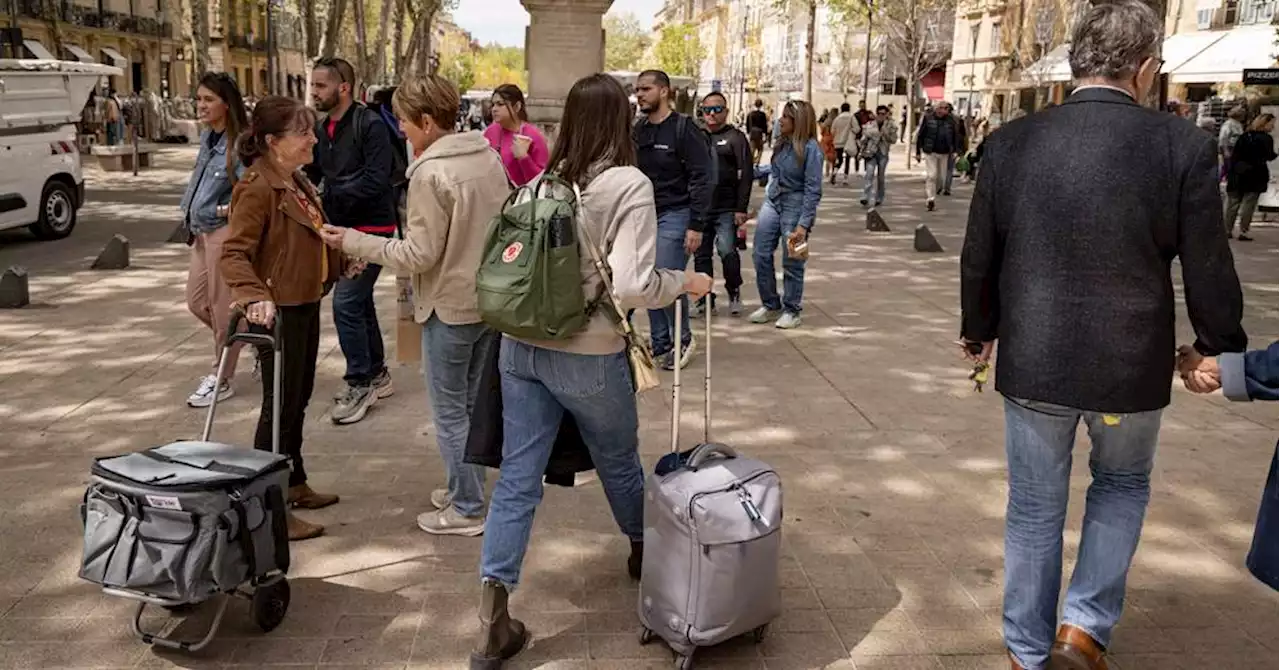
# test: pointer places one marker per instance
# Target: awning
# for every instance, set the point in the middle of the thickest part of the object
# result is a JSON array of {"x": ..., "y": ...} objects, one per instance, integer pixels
[
  {"x": 78, "y": 53},
  {"x": 1225, "y": 59},
  {"x": 115, "y": 58},
  {"x": 37, "y": 50},
  {"x": 1180, "y": 48},
  {"x": 1052, "y": 67}
]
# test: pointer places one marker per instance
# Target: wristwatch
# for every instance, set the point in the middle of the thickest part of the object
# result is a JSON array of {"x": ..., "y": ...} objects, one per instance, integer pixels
[{"x": 222, "y": 211}]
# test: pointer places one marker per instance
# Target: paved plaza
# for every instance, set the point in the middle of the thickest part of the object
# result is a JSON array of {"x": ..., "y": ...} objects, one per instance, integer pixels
[{"x": 893, "y": 469}]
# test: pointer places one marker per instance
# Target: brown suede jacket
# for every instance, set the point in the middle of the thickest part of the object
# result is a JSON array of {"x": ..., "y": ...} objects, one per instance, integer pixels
[{"x": 274, "y": 251}]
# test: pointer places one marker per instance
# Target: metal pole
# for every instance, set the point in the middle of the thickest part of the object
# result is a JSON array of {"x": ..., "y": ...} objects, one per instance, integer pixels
[
  {"x": 866, "y": 60},
  {"x": 271, "y": 61},
  {"x": 15, "y": 49}
]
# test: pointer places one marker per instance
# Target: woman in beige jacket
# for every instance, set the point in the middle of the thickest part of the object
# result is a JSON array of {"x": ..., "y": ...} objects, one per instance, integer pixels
[{"x": 456, "y": 186}]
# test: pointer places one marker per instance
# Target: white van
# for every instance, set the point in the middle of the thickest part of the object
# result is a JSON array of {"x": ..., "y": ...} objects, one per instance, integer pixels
[{"x": 41, "y": 185}]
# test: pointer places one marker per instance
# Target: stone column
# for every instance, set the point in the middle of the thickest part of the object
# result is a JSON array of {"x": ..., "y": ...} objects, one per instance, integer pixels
[{"x": 564, "y": 42}]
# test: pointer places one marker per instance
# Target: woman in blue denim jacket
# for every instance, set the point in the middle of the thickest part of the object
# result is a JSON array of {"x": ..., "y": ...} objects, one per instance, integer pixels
[
  {"x": 204, "y": 210},
  {"x": 790, "y": 207}
]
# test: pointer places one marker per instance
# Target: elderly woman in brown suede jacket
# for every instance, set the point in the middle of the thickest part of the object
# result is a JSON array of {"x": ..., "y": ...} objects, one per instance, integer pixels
[{"x": 278, "y": 268}]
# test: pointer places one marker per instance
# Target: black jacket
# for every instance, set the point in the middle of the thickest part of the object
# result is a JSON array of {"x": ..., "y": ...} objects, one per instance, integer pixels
[
  {"x": 1076, "y": 218},
  {"x": 675, "y": 156},
  {"x": 1248, "y": 171},
  {"x": 355, "y": 168},
  {"x": 939, "y": 135},
  {"x": 758, "y": 121},
  {"x": 569, "y": 455},
  {"x": 734, "y": 170}
]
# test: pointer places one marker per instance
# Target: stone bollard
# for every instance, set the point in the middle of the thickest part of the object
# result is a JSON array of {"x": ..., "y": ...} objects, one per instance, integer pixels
[
  {"x": 876, "y": 223},
  {"x": 14, "y": 290},
  {"x": 114, "y": 256},
  {"x": 925, "y": 241},
  {"x": 180, "y": 235}
]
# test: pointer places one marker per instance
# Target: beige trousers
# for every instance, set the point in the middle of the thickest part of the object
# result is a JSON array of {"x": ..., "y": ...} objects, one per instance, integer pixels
[
  {"x": 935, "y": 170},
  {"x": 208, "y": 296}
]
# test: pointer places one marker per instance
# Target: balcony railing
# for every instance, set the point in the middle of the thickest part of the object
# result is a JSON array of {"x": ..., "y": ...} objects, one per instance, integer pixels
[{"x": 89, "y": 17}]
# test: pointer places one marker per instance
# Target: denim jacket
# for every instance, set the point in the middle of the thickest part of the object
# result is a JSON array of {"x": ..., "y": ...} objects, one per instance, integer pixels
[
  {"x": 209, "y": 187},
  {"x": 789, "y": 181}
]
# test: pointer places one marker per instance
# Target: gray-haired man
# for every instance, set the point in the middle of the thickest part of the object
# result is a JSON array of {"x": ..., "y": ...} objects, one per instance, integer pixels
[{"x": 1078, "y": 213}]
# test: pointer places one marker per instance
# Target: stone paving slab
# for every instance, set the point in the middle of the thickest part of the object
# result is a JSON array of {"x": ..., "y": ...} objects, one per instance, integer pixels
[{"x": 894, "y": 471}]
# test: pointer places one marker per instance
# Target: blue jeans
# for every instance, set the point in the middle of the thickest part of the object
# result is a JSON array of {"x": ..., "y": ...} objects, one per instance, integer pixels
[
  {"x": 721, "y": 238},
  {"x": 538, "y": 387},
  {"x": 951, "y": 172},
  {"x": 455, "y": 355},
  {"x": 874, "y": 178},
  {"x": 672, "y": 225},
  {"x": 1038, "y": 441},
  {"x": 777, "y": 219},
  {"x": 356, "y": 320}
]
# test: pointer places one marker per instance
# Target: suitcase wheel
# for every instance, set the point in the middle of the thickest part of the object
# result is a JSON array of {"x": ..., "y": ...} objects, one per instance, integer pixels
[
  {"x": 270, "y": 603},
  {"x": 647, "y": 636},
  {"x": 759, "y": 632}
]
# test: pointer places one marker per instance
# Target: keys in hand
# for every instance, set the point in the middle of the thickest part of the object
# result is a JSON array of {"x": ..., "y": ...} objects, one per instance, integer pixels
[{"x": 979, "y": 375}]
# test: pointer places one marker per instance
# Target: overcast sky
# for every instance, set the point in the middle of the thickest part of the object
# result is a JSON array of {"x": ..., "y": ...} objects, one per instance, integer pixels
[{"x": 504, "y": 21}]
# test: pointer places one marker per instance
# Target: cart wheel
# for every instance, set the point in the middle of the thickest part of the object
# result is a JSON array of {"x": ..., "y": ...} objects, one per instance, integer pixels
[
  {"x": 684, "y": 662},
  {"x": 759, "y": 632},
  {"x": 270, "y": 603},
  {"x": 646, "y": 636}
]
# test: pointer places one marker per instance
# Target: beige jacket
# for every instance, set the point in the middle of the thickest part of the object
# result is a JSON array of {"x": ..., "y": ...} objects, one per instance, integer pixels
[{"x": 456, "y": 187}]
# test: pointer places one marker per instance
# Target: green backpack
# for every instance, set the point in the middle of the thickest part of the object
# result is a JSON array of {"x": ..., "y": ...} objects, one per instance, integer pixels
[{"x": 529, "y": 284}]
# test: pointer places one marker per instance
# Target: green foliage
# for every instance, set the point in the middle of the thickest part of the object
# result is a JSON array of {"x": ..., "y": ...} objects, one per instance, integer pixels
[
  {"x": 459, "y": 69},
  {"x": 679, "y": 50},
  {"x": 495, "y": 65},
  {"x": 625, "y": 42}
]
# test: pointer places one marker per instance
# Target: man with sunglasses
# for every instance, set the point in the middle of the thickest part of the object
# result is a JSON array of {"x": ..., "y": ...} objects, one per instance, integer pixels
[
  {"x": 353, "y": 163},
  {"x": 730, "y": 197}
]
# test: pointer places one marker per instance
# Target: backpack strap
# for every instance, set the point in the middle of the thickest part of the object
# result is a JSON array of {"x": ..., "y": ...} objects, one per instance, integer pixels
[{"x": 617, "y": 314}]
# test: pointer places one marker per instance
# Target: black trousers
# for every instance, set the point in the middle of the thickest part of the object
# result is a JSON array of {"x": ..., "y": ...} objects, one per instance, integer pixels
[
  {"x": 300, "y": 345},
  {"x": 721, "y": 235}
]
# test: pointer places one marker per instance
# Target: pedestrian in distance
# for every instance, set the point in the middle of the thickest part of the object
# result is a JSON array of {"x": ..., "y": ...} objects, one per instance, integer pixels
[
  {"x": 279, "y": 269},
  {"x": 757, "y": 129},
  {"x": 1248, "y": 174},
  {"x": 354, "y": 164},
  {"x": 877, "y": 137},
  {"x": 846, "y": 141},
  {"x": 1076, "y": 216},
  {"x": 520, "y": 143},
  {"x": 730, "y": 201},
  {"x": 457, "y": 184},
  {"x": 787, "y": 216},
  {"x": 205, "y": 207},
  {"x": 937, "y": 141}
]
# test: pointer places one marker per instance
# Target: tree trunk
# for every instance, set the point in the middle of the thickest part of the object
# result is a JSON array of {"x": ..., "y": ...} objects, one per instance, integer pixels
[
  {"x": 199, "y": 40},
  {"x": 422, "y": 55},
  {"x": 866, "y": 63},
  {"x": 333, "y": 27},
  {"x": 397, "y": 40},
  {"x": 404, "y": 59},
  {"x": 362, "y": 52},
  {"x": 384, "y": 23},
  {"x": 309, "y": 29},
  {"x": 810, "y": 29}
]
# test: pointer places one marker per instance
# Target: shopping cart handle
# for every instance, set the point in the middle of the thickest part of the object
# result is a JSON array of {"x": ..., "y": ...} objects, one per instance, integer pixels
[{"x": 234, "y": 334}]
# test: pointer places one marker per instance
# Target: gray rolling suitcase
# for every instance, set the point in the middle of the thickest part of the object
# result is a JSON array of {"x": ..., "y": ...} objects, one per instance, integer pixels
[
  {"x": 713, "y": 540},
  {"x": 179, "y": 524}
]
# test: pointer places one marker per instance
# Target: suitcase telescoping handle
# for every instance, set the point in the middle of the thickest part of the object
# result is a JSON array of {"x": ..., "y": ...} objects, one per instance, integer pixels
[
  {"x": 675, "y": 383},
  {"x": 272, "y": 340}
]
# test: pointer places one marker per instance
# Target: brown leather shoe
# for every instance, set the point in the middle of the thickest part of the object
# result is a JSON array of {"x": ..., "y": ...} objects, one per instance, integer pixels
[
  {"x": 302, "y": 497},
  {"x": 1076, "y": 650},
  {"x": 302, "y": 530}
]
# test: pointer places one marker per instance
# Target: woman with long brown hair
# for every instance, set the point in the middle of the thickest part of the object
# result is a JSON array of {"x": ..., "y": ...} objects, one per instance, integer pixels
[
  {"x": 278, "y": 268},
  {"x": 790, "y": 209},
  {"x": 204, "y": 210},
  {"x": 521, "y": 145},
  {"x": 587, "y": 375}
]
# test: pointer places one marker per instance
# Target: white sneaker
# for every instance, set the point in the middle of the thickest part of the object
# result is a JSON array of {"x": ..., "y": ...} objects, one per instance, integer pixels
[
  {"x": 203, "y": 396},
  {"x": 440, "y": 498},
  {"x": 787, "y": 321},
  {"x": 764, "y": 315},
  {"x": 447, "y": 521}
]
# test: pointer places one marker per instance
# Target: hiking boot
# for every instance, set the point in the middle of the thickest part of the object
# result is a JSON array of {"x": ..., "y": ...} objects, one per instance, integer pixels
[
  {"x": 501, "y": 637},
  {"x": 203, "y": 396},
  {"x": 302, "y": 497},
  {"x": 735, "y": 305},
  {"x": 301, "y": 530},
  {"x": 448, "y": 521},
  {"x": 382, "y": 384},
  {"x": 636, "y": 560},
  {"x": 441, "y": 499},
  {"x": 353, "y": 405},
  {"x": 764, "y": 315},
  {"x": 787, "y": 321}
]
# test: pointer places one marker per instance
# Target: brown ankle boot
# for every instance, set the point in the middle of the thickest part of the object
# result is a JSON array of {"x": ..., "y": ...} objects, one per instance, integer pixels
[
  {"x": 302, "y": 497},
  {"x": 302, "y": 530},
  {"x": 501, "y": 637},
  {"x": 1076, "y": 650}
]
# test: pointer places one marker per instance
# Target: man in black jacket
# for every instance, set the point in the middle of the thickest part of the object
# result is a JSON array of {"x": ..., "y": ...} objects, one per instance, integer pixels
[
  {"x": 729, "y": 200},
  {"x": 353, "y": 164},
  {"x": 937, "y": 141},
  {"x": 1077, "y": 216},
  {"x": 758, "y": 128},
  {"x": 673, "y": 152}
]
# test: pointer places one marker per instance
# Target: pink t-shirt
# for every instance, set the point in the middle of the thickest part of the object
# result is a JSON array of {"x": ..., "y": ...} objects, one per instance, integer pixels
[{"x": 519, "y": 170}]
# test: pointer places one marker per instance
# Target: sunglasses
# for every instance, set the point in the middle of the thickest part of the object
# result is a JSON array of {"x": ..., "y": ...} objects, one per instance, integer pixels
[{"x": 712, "y": 109}]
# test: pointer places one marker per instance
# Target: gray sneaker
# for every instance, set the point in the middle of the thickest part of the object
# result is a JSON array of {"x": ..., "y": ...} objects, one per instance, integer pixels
[
  {"x": 735, "y": 306},
  {"x": 764, "y": 315},
  {"x": 686, "y": 355},
  {"x": 447, "y": 521},
  {"x": 382, "y": 384},
  {"x": 440, "y": 498},
  {"x": 787, "y": 321},
  {"x": 353, "y": 405}
]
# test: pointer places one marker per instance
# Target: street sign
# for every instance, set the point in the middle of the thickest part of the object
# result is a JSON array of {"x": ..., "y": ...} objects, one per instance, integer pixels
[
  {"x": 1260, "y": 77},
  {"x": 715, "y": 85}
]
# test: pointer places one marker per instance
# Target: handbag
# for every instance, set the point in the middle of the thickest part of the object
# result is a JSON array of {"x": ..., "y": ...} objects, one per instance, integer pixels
[
  {"x": 644, "y": 374},
  {"x": 1264, "y": 559}
]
